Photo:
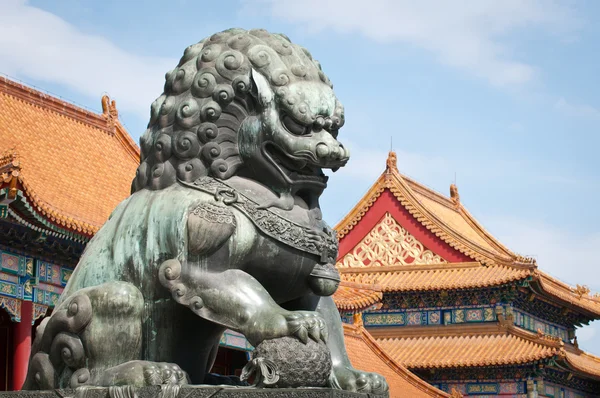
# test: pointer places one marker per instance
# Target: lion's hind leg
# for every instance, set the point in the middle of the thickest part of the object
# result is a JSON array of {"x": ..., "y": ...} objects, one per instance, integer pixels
[{"x": 95, "y": 338}]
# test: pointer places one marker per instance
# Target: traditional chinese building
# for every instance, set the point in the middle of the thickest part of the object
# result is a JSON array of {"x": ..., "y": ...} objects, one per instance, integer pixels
[
  {"x": 62, "y": 171},
  {"x": 447, "y": 300}
]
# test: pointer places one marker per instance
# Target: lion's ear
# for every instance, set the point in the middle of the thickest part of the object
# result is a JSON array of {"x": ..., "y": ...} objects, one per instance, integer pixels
[{"x": 261, "y": 89}]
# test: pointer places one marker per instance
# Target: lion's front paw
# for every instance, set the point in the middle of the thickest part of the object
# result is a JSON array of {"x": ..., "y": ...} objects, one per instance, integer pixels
[
  {"x": 142, "y": 373},
  {"x": 156, "y": 373},
  {"x": 300, "y": 324},
  {"x": 305, "y": 324},
  {"x": 350, "y": 379}
]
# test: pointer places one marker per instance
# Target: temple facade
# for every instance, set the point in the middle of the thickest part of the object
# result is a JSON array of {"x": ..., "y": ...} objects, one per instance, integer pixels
[
  {"x": 55, "y": 193},
  {"x": 448, "y": 301}
]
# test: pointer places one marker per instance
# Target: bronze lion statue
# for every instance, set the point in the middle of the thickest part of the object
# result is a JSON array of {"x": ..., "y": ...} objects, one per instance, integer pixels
[{"x": 222, "y": 230}]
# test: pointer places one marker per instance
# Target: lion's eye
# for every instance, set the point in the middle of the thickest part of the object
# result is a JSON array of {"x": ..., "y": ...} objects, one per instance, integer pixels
[{"x": 294, "y": 127}]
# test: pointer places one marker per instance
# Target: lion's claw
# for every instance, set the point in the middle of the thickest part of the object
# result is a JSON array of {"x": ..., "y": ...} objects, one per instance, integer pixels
[
  {"x": 142, "y": 373},
  {"x": 349, "y": 379},
  {"x": 305, "y": 325}
]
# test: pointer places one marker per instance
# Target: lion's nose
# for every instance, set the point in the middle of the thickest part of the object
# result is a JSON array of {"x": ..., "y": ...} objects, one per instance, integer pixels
[
  {"x": 323, "y": 151},
  {"x": 331, "y": 152}
]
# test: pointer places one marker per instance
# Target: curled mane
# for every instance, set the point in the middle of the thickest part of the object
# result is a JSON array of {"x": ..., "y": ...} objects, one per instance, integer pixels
[{"x": 194, "y": 124}]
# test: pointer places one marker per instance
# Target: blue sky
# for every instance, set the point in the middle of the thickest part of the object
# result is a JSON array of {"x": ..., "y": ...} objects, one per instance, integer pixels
[{"x": 502, "y": 94}]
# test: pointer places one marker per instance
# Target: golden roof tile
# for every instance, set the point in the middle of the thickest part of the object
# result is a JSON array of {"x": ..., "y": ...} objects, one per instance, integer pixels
[
  {"x": 434, "y": 276},
  {"x": 578, "y": 297},
  {"x": 75, "y": 165},
  {"x": 582, "y": 362},
  {"x": 366, "y": 354},
  {"x": 356, "y": 297},
  {"x": 510, "y": 346}
]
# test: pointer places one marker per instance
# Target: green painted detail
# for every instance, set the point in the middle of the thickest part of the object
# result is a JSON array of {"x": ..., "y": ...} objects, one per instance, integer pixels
[{"x": 54, "y": 230}]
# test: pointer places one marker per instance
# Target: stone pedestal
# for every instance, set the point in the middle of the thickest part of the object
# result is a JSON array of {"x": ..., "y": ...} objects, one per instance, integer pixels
[{"x": 195, "y": 392}]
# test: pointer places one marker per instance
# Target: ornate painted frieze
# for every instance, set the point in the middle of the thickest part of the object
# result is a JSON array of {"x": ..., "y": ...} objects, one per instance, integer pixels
[
  {"x": 430, "y": 317},
  {"x": 551, "y": 313},
  {"x": 39, "y": 311},
  {"x": 533, "y": 323},
  {"x": 464, "y": 375},
  {"x": 16, "y": 273},
  {"x": 14, "y": 264},
  {"x": 53, "y": 274},
  {"x": 52, "y": 279},
  {"x": 24, "y": 278},
  {"x": 389, "y": 243},
  {"x": 571, "y": 386},
  {"x": 12, "y": 306},
  {"x": 486, "y": 388},
  {"x": 394, "y": 301}
]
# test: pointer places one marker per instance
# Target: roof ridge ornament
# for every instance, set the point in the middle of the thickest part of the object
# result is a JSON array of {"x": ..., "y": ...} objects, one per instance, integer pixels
[
  {"x": 109, "y": 110},
  {"x": 391, "y": 164},
  {"x": 454, "y": 194},
  {"x": 581, "y": 291}
]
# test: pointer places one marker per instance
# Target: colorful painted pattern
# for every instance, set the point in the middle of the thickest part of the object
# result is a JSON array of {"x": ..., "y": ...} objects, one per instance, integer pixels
[
  {"x": 50, "y": 288},
  {"x": 9, "y": 289},
  {"x": 515, "y": 389},
  {"x": 379, "y": 319},
  {"x": 9, "y": 278},
  {"x": 557, "y": 391},
  {"x": 428, "y": 317},
  {"x": 12, "y": 306},
  {"x": 38, "y": 312},
  {"x": 532, "y": 323},
  {"x": 12, "y": 263},
  {"x": 53, "y": 274}
]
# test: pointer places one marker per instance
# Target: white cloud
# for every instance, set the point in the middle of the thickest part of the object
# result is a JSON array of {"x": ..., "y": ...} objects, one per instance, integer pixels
[
  {"x": 39, "y": 45},
  {"x": 577, "y": 110},
  {"x": 470, "y": 35}
]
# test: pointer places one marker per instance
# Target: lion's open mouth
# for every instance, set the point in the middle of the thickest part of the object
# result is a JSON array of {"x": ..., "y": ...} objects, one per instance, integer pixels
[{"x": 296, "y": 169}]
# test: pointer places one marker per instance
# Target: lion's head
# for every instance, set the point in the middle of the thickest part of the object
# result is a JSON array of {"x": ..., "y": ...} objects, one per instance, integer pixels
[{"x": 248, "y": 103}]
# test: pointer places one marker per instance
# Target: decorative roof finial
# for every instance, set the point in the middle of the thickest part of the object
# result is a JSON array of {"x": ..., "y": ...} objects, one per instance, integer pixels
[
  {"x": 391, "y": 162},
  {"x": 454, "y": 194},
  {"x": 109, "y": 110}
]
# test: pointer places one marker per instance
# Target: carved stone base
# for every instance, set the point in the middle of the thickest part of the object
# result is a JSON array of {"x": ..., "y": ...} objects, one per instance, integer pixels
[{"x": 196, "y": 392}]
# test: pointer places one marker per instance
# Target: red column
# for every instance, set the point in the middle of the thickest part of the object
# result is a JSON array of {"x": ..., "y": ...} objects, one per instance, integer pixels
[{"x": 22, "y": 345}]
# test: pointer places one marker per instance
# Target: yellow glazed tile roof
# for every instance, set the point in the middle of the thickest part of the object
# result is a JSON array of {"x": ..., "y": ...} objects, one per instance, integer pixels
[
  {"x": 448, "y": 219},
  {"x": 366, "y": 354},
  {"x": 469, "y": 350},
  {"x": 584, "y": 363},
  {"x": 75, "y": 166},
  {"x": 484, "y": 345},
  {"x": 356, "y": 297},
  {"x": 578, "y": 296},
  {"x": 434, "y": 276}
]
